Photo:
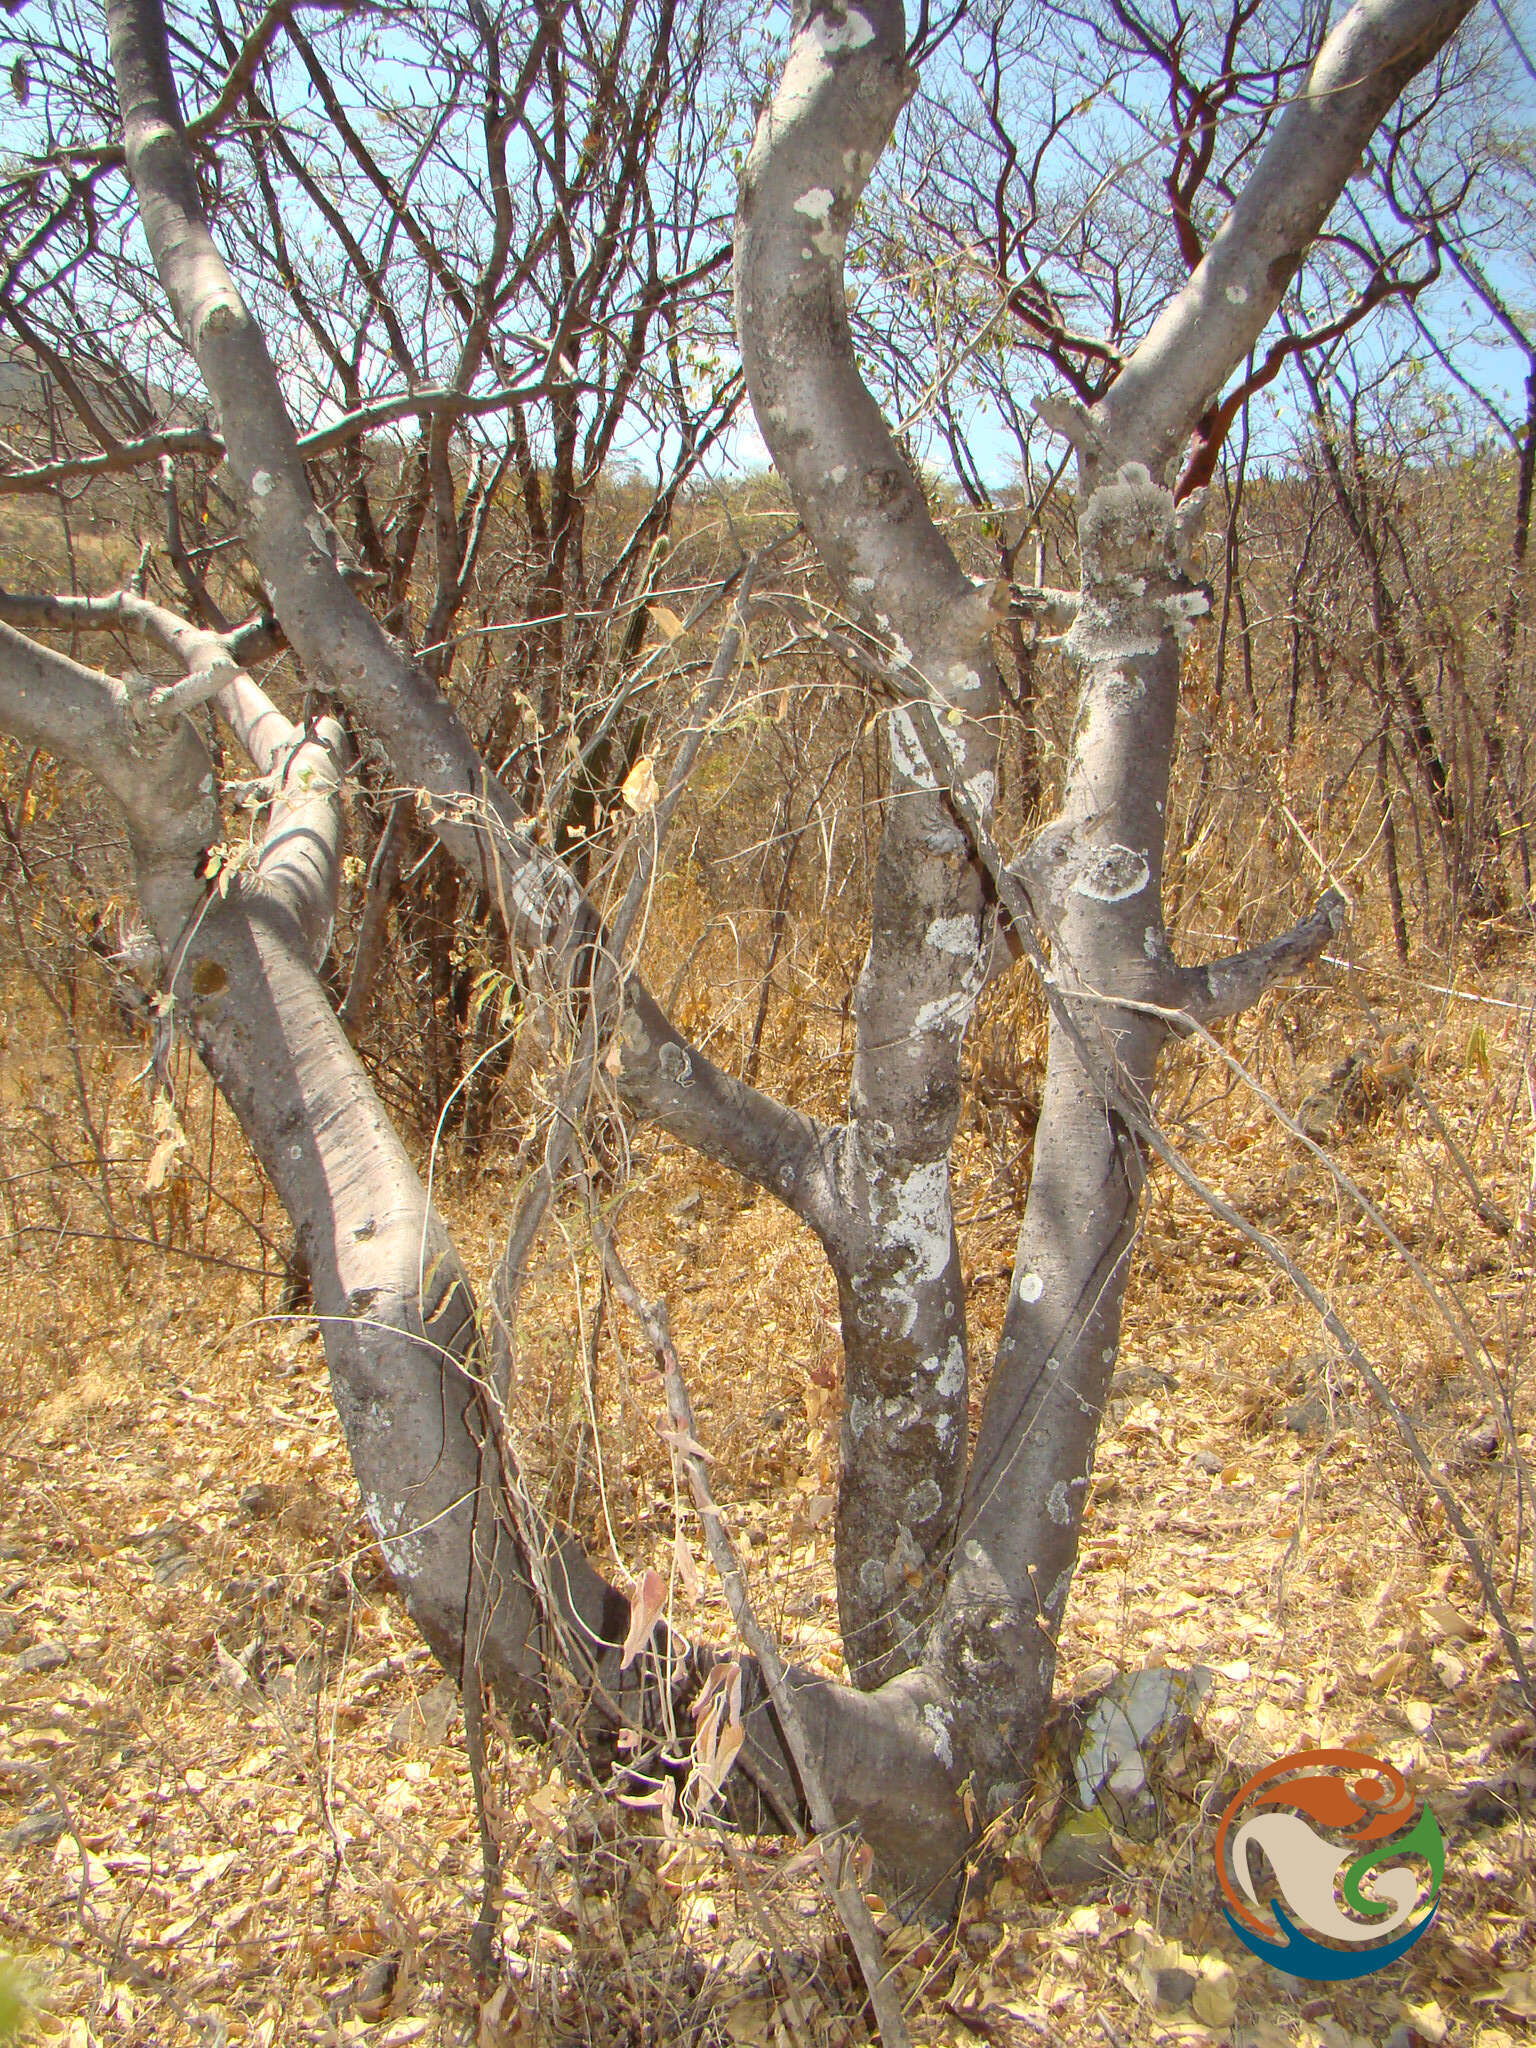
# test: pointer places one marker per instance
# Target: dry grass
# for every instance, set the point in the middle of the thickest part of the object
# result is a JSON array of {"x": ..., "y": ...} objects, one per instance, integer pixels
[{"x": 233, "y": 1795}]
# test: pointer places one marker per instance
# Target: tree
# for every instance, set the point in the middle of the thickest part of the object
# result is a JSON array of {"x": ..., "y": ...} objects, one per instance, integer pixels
[{"x": 954, "y": 1561}]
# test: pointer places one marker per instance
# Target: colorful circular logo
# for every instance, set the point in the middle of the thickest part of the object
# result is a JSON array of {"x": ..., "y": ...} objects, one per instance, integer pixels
[{"x": 1326, "y": 1833}]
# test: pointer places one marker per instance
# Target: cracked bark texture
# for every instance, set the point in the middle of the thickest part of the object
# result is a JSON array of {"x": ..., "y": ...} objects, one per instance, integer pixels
[{"x": 951, "y": 1582}]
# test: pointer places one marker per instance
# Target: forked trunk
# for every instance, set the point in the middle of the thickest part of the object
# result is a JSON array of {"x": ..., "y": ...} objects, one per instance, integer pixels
[{"x": 953, "y": 1572}]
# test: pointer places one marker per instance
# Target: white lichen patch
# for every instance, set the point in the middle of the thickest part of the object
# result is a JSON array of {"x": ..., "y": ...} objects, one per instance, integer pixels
[
  {"x": 1056, "y": 1504},
  {"x": 981, "y": 789},
  {"x": 1182, "y": 609},
  {"x": 816, "y": 205},
  {"x": 933, "y": 1719},
  {"x": 263, "y": 484},
  {"x": 1031, "y": 1287},
  {"x": 836, "y": 475},
  {"x": 957, "y": 935},
  {"x": 924, "y": 1500},
  {"x": 401, "y": 1545},
  {"x": 951, "y": 1379},
  {"x": 1237, "y": 295},
  {"x": 862, "y": 584},
  {"x": 915, "y": 1213},
  {"x": 851, "y": 33},
  {"x": 908, "y": 758},
  {"x": 964, "y": 679},
  {"x": 1099, "y": 636},
  {"x": 807, "y": 68},
  {"x": 1110, "y": 874},
  {"x": 1127, "y": 521},
  {"x": 946, "y": 1013}
]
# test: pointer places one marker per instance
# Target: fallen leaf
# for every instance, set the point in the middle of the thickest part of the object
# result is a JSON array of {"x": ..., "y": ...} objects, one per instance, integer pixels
[
  {"x": 667, "y": 619},
  {"x": 1428, "y": 2019},
  {"x": 1515, "y": 1992},
  {"x": 1449, "y": 1620},
  {"x": 1452, "y": 1671},
  {"x": 235, "y": 1675},
  {"x": 211, "y": 1868},
  {"x": 1215, "y": 1995}
]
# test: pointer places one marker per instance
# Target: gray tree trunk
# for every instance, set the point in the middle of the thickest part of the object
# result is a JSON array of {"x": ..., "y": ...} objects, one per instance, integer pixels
[{"x": 953, "y": 1569}]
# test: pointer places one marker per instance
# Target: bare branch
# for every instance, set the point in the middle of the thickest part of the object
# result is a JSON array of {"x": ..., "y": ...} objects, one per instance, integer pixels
[
  {"x": 431, "y": 402},
  {"x": 336, "y": 636},
  {"x": 1207, "y": 329},
  {"x": 1225, "y": 988}
]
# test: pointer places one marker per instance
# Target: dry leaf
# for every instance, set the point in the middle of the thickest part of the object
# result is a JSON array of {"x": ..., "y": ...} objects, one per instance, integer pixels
[
  {"x": 750, "y": 2023},
  {"x": 1418, "y": 1714},
  {"x": 688, "y": 1570},
  {"x": 647, "y": 1603},
  {"x": 1215, "y": 1995},
  {"x": 1449, "y": 1621},
  {"x": 721, "y": 1676},
  {"x": 1515, "y": 1992},
  {"x": 718, "y": 1738},
  {"x": 235, "y": 1675},
  {"x": 667, "y": 619},
  {"x": 1427, "y": 2019},
  {"x": 640, "y": 791},
  {"x": 715, "y": 1748}
]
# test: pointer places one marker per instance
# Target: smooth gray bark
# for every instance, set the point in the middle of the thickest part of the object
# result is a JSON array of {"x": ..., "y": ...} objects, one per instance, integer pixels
[
  {"x": 398, "y": 1316},
  {"x": 338, "y": 639},
  {"x": 1095, "y": 874},
  {"x": 951, "y": 1580},
  {"x": 897, "y": 1263}
]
